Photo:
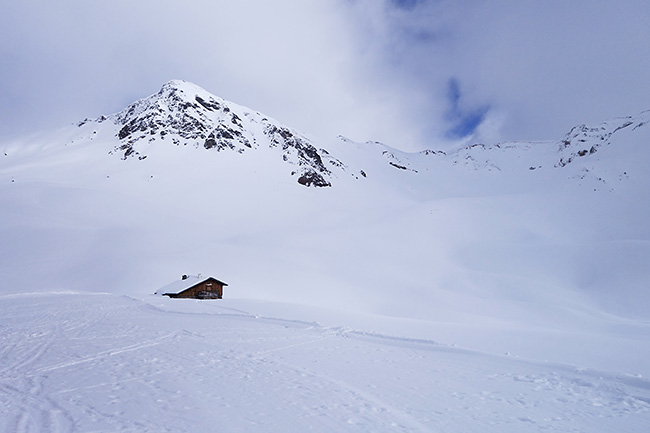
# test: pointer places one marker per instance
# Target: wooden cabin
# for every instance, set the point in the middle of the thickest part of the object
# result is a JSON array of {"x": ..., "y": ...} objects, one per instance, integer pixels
[{"x": 195, "y": 287}]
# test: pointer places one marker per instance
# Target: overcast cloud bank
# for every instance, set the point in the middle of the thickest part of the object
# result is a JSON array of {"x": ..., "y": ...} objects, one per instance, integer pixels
[{"x": 450, "y": 72}]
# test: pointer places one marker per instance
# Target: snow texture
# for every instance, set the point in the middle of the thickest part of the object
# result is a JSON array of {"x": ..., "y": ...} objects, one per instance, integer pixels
[{"x": 84, "y": 362}]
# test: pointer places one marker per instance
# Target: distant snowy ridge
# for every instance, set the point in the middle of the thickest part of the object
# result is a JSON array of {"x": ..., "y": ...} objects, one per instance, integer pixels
[
  {"x": 581, "y": 141},
  {"x": 572, "y": 157},
  {"x": 184, "y": 114},
  {"x": 585, "y": 140}
]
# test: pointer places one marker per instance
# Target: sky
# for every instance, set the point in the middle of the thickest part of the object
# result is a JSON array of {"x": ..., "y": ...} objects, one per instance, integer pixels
[{"x": 413, "y": 74}]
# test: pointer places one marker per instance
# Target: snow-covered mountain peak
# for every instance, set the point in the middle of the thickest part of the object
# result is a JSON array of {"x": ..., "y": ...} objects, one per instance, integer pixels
[
  {"x": 183, "y": 114},
  {"x": 181, "y": 85}
]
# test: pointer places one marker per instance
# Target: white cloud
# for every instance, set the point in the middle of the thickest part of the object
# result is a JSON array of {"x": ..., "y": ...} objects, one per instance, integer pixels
[
  {"x": 76, "y": 59},
  {"x": 368, "y": 69},
  {"x": 541, "y": 67}
]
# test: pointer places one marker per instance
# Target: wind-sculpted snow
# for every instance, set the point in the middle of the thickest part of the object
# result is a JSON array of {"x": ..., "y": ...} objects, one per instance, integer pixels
[{"x": 79, "y": 362}]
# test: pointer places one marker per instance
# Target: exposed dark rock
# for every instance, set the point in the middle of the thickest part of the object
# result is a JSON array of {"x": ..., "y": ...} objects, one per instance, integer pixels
[
  {"x": 433, "y": 152},
  {"x": 211, "y": 105},
  {"x": 223, "y": 137},
  {"x": 124, "y": 132},
  {"x": 305, "y": 154},
  {"x": 310, "y": 178}
]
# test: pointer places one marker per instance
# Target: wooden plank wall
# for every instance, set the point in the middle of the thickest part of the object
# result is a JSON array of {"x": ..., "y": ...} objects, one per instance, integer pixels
[{"x": 207, "y": 286}]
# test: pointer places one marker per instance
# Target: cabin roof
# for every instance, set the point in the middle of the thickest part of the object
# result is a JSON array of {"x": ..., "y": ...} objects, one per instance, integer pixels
[{"x": 181, "y": 285}]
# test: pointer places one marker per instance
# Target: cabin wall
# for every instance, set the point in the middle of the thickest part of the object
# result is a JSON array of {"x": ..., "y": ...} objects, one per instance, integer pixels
[{"x": 206, "y": 290}]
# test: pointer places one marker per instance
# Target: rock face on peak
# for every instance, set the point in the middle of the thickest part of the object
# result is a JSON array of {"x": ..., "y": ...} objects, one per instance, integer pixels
[
  {"x": 585, "y": 140},
  {"x": 187, "y": 115}
]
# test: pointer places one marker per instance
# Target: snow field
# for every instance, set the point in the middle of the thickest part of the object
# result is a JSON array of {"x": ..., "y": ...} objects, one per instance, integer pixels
[{"x": 100, "y": 362}]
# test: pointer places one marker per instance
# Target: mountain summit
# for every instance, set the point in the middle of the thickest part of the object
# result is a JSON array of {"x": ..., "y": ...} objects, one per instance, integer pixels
[{"x": 184, "y": 114}]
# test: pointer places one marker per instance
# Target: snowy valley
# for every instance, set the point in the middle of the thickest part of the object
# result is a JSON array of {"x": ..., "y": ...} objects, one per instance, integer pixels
[{"x": 495, "y": 287}]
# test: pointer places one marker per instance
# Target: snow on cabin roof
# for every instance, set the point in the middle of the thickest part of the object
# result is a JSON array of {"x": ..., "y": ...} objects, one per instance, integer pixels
[{"x": 180, "y": 285}]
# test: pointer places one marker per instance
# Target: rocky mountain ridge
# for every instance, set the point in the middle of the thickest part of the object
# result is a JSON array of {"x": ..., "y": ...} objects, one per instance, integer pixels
[
  {"x": 585, "y": 140},
  {"x": 184, "y": 114},
  {"x": 582, "y": 153}
]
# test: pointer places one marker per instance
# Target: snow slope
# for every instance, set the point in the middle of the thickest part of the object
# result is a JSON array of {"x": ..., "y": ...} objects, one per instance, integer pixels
[
  {"x": 538, "y": 250},
  {"x": 100, "y": 362}
]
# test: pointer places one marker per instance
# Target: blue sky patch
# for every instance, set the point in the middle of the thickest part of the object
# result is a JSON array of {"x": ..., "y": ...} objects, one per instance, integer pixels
[{"x": 463, "y": 121}]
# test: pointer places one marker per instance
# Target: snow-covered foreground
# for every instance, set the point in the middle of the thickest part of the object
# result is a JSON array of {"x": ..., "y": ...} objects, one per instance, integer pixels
[{"x": 107, "y": 363}]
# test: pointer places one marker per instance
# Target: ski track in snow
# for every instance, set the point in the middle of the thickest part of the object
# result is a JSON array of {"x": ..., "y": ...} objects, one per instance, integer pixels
[{"x": 104, "y": 363}]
